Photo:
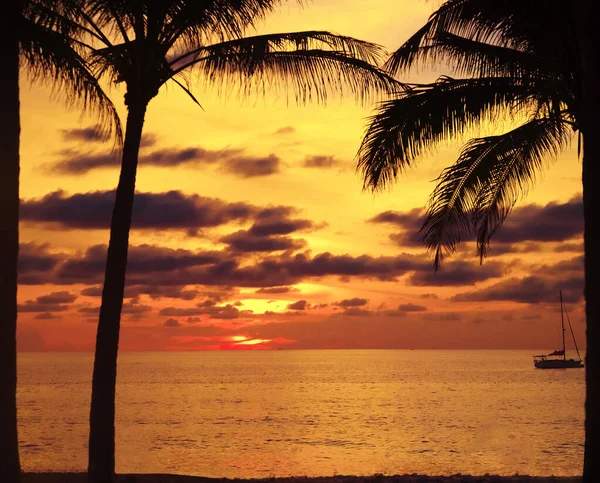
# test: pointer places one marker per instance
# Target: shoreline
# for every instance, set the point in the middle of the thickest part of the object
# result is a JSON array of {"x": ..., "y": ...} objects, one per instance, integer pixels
[{"x": 51, "y": 477}]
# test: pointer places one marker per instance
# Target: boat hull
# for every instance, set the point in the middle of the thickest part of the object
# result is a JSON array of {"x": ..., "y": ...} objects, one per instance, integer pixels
[{"x": 558, "y": 364}]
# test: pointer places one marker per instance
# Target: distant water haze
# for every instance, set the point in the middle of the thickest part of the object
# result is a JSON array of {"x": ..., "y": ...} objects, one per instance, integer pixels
[{"x": 316, "y": 413}]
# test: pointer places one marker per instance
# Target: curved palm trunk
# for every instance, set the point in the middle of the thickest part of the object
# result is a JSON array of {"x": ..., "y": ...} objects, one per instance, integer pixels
[
  {"x": 591, "y": 207},
  {"x": 101, "y": 465},
  {"x": 10, "y": 470}
]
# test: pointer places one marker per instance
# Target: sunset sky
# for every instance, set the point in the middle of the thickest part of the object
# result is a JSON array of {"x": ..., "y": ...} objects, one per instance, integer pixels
[{"x": 251, "y": 229}]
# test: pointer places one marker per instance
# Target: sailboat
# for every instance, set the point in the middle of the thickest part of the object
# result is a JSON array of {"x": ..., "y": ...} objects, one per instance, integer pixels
[{"x": 558, "y": 359}]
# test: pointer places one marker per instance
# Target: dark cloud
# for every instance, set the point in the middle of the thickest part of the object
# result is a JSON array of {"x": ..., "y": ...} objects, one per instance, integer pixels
[
  {"x": 75, "y": 162},
  {"x": 523, "y": 231},
  {"x": 320, "y": 161},
  {"x": 63, "y": 297},
  {"x": 92, "y": 292},
  {"x": 95, "y": 311},
  {"x": 131, "y": 308},
  {"x": 78, "y": 163},
  {"x": 142, "y": 259},
  {"x": 32, "y": 306},
  {"x": 356, "y": 312},
  {"x": 34, "y": 258},
  {"x": 53, "y": 302},
  {"x": 159, "y": 292},
  {"x": 409, "y": 222},
  {"x": 299, "y": 305},
  {"x": 286, "y": 130},
  {"x": 224, "y": 312},
  {"x": 457, "y": 273},
  {"x": 193, "y": 320},
  {"x": 541, "y": 286},
  {"x": 244, "y": 241},
  {"x": 528, "y": 290},
  {"x": 411, "y": 308},
  {"x": 171, "y": 209},
  {"x": 353, "y": 302},
  {"x": 153, "y": 265},
  {"x": 90, "y": 134},
  {"x": 442, "y": 316},
  {"x": 172, "y": 323},
  {"x": 46, "y": 316},
  {"x": 252, "y": 167},
  {"x": 554, "y": 222},
  {"x": 181, "y": 312},
  {"x": 148, "y": 139},
  {"x": 277, "y": 221},
  {"x": 277, "y": 290}
]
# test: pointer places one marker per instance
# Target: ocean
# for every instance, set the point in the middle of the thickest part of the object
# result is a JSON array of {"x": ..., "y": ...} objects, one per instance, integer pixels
[{"x": 315, "y": 413}]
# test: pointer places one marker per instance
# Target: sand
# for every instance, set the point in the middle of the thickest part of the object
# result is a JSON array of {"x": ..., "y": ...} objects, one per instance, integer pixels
[{"x": 150, "y": 478}]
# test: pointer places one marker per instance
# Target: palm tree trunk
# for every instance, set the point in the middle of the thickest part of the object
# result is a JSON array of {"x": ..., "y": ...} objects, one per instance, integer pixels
[
  {"x": 10, "y": 469},
  {"x": 101, "y": 465},
  {"x": 591, "y": 207}
]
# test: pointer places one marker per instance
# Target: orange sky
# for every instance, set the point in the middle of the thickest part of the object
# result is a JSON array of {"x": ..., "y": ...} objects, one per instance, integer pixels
[{"x": 255, "y": 233}]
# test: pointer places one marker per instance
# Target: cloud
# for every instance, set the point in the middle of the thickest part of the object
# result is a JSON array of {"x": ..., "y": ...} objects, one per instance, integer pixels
[
  {"x": 46, "y": 316},
  {"x": 244, "y": 241},
  {"x": 151, "y": 265},
  {"x": 411, "y": 308},
  {"x": 92, "y": 292},
  {"x": 353, "y": 302},
  {"x": 193, "y": 320},
  {"x": 63, "y": 297},
  {"x": 252, "y": 167},
  {"x": 457, "y": 273},
  {"x": 75, "y": 162},
  {"x": 277, "y": 290},
  {"x": 442, "y": 316},
  {"x": 181, "y": 312},
  {"x": 89, "y": 134},
  {"x": 299, "y": 305},
  {"x": 523, "y": 231},
  {"x": 171, "y": 323},
  {"x": 36, "y": 258},
  {"x": 356, "y": 312},
  {"x": 31, "y": 306},
  {"x": 53, "y": 302},
  {"x": 131, "y": 308},
  {"x": 527, "y": 290},
  {"x": 539, "y": 287},
  {"x": 159, "y": 292},
  {"x": 168, "y": 210},
  {"x": 286, "y": 130},
  {"x": 142, "y": 259},
  {"x": 277, "y": 221},
  {"x": 321, "y": 161}
]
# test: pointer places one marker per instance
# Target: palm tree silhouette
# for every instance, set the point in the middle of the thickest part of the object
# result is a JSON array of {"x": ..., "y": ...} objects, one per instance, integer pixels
[
  {"x": 35, "y": 35},
  {"x": 515, "y": 57},
  {"x": 145, "y": 44}
]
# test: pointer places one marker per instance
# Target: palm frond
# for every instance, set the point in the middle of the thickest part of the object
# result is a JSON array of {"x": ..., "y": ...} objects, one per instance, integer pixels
[
  {"x": 193, "y": 24},
  {"x": 520, "y": 25},
  {"x": 310, "y": 64},
  {"x": 418, "y": 118},
  {"x": 476, "y": 194},
  {"x": 49, "y": 55},
  {"x": 479, "y": 59}
]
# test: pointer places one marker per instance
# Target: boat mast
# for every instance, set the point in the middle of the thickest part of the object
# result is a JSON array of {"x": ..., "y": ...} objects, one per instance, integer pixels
[
  {"x": 572, "y": 333},
  {"x": 562, "y": 324}
]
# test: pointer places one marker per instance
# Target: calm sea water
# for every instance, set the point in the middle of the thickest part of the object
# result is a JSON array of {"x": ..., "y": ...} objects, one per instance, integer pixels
[{"x": 282, "y": 413}]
